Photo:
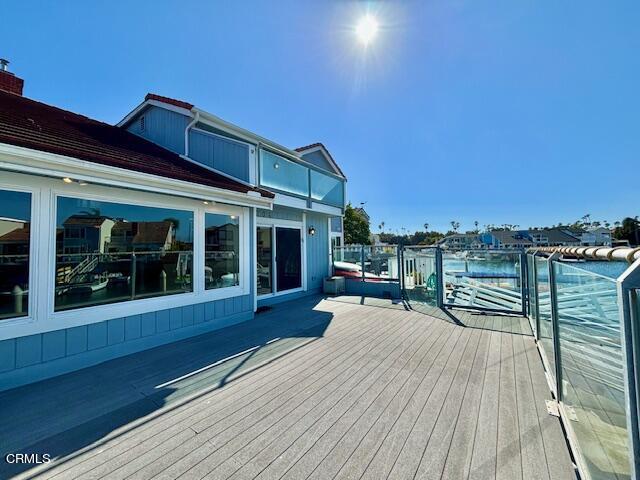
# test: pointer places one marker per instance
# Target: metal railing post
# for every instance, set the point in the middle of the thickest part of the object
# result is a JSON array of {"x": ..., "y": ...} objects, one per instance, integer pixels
[
  {"x": 553, "y": 292},
  {"x": 628, "y": 285},
  {"x": 362, "y": 261},
  {"x": 537, "y": 311},
  {"x": 524, "y": 283},
  {"x": 440, "y": 278},
  {"x": 400, "y": 252}
]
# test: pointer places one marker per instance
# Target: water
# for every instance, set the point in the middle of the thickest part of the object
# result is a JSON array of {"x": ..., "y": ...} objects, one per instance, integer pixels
[{"x": 510, "y": 265}]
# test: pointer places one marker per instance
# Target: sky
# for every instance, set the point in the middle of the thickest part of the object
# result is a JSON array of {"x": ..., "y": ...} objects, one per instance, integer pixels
[{"x": 519, "y": 112}]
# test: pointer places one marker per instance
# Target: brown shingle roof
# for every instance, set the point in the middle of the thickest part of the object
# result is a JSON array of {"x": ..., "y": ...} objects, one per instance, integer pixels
[
  {"x": 17, "y": 235},
  {"x": 168, "y": 100},
  {"x": 27, "y": 123}
]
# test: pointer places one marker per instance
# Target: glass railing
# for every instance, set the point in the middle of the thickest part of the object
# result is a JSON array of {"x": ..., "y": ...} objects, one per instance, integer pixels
[
  {"x": 484, "y": 279},
  {"x": 582, "y": 308},
  {"x": 367, "y": 263},
  {"x": 420, "y": 276},
  {"x": 544, "y": 326},
  {"x": 591, "y": 357},
  {"x": 283, "y": 175},
  {"x": 585, "y": 316}
]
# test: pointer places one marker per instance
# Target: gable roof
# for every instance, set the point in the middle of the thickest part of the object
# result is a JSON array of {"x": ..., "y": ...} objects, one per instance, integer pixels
[
  {"x": 19, "y": 235},
  {"x": 31, "y": 124},
  {"x": 510, "y": 237},
  {"x": 326, "y": 153},
  {"x": 555, "y": 235},
  {"x": 169, "y": 101}
]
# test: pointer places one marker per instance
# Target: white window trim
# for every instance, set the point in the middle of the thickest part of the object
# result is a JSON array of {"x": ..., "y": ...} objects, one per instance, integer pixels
[
  {"x": 273, "y": 223},
  {"x": 41, "y": 315}
]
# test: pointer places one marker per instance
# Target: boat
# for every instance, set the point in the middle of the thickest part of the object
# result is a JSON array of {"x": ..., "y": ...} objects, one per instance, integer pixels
[{"x": 98, "y": 284}]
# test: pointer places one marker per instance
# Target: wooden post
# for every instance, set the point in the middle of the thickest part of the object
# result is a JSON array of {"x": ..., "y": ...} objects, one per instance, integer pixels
[{"x": 163, "y": 279}]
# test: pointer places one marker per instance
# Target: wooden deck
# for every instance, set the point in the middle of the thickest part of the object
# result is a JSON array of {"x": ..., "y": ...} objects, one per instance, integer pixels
[{"x": 311, "y": 389}]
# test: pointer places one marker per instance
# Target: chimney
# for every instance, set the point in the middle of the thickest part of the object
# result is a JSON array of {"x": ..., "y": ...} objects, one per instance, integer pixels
[{"x": 8, "y": 81}]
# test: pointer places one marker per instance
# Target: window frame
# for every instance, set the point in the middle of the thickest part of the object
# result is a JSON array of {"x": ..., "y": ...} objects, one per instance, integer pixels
[
  {"x": 45, "y": 191},
  {"x": 34, "y": 255}
]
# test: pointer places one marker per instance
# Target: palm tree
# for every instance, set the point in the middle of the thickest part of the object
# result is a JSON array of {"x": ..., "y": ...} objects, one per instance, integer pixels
[
  {"x": 455, "y": 225},
  {"x": 381, "y": 226},
  {"x": 426, "y": 227},
  {"x": 476, "y": 223},
  {"x": 586, "y": 218}
]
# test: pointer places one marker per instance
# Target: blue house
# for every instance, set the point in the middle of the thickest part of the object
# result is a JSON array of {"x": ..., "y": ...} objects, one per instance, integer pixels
[{"x": 116, "y": 239}]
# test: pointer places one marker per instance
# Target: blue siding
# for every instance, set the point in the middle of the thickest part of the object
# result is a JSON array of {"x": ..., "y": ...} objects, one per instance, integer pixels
[
  {"x": 164, "y": 127},
  {"x": 35, "y": 357},
  {"x": 317, "y": 250},
  {"x": 221, "y": 154},
  {"x": 280, "y": 213},
  {"x": 319, "y": 160}
]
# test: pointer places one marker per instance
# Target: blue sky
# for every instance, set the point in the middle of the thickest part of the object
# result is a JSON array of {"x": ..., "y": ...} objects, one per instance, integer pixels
[{"x": 519, "y": 112}]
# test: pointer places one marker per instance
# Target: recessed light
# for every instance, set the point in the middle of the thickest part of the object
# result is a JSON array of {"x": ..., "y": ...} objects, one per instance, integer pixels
[
  {"x": 67, "y": 180},
  {"x": 276, "y": 166},
  {"x": 205, "y": 202},
  {"x": 83, "y": 183}
]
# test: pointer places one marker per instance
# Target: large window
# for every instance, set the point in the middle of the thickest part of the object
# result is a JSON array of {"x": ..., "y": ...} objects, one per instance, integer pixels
[
  {"x": 15, "y": 223},
  {"x": 112, "y": 252},
  {"x": 222, "y": 251}
]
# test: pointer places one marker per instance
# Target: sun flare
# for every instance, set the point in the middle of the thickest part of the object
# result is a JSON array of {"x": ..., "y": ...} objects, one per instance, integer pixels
[{"x": 367, "y": 29}]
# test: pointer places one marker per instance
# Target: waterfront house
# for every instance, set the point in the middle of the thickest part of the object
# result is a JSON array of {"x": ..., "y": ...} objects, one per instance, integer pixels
[{"x": 170, "y": 224}]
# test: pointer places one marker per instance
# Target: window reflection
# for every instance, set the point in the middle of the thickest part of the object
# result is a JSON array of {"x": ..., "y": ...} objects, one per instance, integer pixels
[
  {"x": 222, "y": 251},
  {"x": 15, "y": 223},
  {"x": 110, "y": 252}
]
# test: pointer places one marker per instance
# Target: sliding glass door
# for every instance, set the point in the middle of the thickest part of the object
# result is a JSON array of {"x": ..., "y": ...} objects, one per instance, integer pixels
[
  {"x": 279, "y": 259},
  {"x": 288, "y": 258},
  {"x": 265, "y": 260}
]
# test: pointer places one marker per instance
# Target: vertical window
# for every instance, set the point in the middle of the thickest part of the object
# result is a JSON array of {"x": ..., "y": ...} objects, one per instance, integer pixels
[
  {"x": 222, "y": 251},
  {"x": 264, "y": 260},
  {"x": 112, "y": 252},
  {"x": 15, "y": 228}
]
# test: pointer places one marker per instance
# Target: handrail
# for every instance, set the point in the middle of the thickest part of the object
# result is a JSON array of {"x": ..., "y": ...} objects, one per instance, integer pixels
[{"x": 624, "y": 254}]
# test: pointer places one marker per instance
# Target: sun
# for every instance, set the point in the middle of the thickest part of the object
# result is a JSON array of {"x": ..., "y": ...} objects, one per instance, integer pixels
[{"x": 367, "y": 29}]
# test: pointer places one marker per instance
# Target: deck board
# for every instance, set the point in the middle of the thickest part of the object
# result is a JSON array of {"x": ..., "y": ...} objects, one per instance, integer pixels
[{"x": 327, "y": 389}]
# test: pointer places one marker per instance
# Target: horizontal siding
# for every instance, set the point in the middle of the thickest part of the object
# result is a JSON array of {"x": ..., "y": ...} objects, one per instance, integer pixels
[
  {"x": 35, "y": 357},
  {"x": 221, "y": 154},
  {"x": 281, "y": 213},
  {"x": 163, "y": 127}
]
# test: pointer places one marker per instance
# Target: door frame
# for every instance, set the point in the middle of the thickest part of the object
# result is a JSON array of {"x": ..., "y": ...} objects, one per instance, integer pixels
[{"x": 273, "y": 224}]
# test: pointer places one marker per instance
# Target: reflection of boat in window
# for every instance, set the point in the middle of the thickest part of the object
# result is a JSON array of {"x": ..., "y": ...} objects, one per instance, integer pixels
[{"x": 99, "y": 283}]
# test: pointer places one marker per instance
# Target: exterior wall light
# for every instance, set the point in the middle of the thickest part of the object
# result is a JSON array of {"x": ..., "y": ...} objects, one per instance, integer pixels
[
  {"x": 312, "y": 231},
  {"x": 276, "y": 165},
  {"x": 67, "y": 180}
]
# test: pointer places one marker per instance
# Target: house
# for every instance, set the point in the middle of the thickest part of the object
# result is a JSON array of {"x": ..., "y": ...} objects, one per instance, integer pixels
[
  {"x": 553, "y": 237},
  {"x": 506, "y": 239},
  {"x": 172, "y": 223},
  {"x": 596, "y": 236},
  {"x": 460, "y": 241}
]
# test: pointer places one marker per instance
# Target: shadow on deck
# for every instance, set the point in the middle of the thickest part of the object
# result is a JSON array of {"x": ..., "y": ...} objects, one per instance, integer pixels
[{"x": 64, "y": 414}]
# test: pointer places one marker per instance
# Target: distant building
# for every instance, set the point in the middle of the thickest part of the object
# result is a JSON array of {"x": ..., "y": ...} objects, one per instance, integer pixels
[
  {"x": 553, "y": 237},
  {"x": 507, "y": 239},
  {"x": 363, "y": 213},
  {"x": 461, "y": 241}
]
